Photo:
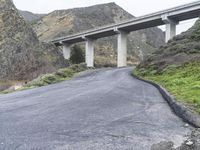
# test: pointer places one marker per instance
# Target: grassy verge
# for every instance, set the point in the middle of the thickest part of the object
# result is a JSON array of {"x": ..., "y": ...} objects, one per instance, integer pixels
[
  {"x": 47, "y": 79},
  {"x": 181, "y": 81}
]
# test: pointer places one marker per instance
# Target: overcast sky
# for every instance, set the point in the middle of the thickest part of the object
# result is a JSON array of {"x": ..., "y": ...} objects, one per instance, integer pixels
[{"x": 135, "y": 7}]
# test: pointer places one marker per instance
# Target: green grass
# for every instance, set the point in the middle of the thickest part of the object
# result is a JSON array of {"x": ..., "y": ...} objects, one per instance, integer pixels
[
  {"x": 181, "y": 81},
  {"x": 47, "y": 79}
]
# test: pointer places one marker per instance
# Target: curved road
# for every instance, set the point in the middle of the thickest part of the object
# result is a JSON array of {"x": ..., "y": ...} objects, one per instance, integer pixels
[{"x": 103, "y": 110}]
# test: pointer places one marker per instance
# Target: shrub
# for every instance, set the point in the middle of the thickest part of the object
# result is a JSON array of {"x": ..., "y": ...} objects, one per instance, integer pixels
[{"x": 77, "y": 55}]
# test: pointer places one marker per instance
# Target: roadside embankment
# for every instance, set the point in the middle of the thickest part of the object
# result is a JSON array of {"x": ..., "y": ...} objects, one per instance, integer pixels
[
  {"x": 52, "y": 78},
  {"x": 183, "y": 82}
]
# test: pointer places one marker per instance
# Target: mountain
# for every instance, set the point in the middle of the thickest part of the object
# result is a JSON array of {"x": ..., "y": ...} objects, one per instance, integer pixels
[
  {"x": 22, "y": 56},
  {"x": 29, "y": 16},
  {"x": 64, "y": 22}
]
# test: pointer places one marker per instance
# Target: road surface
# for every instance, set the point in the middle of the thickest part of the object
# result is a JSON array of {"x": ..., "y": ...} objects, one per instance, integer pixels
[{"x": 103, "y": 110}]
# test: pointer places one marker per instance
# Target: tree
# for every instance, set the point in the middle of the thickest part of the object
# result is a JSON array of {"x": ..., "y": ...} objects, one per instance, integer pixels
[{"x": 77, "y": 55}]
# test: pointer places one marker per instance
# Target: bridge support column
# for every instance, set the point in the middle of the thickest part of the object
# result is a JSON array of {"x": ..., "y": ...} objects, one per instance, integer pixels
[
  {"x": 122, "y": 49},
  {"x": 170, "y": 27},
  {"x": 170, "y": 31},
  {"x": 89, "y": 52},
  {"x": 66, "y": 50}
]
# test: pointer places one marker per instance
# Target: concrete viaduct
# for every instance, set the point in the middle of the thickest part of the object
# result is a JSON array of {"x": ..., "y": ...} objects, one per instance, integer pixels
[{"x": 170, "y": 18}]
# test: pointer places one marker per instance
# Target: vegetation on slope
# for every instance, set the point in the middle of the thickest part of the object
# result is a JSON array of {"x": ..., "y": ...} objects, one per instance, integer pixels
[
  {"x": 176, "y": 66},
  {"x": 181, "y": 81},
  {"x": 52, "y": 78}
]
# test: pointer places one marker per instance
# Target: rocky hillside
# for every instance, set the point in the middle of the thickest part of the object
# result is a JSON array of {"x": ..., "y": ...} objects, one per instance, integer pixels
[
  {"x": 176, "y": 66},
  {"x": 22, "y": 56},
  {"x": 65, "y": 22},
  {"x": 183, "y": 48},
  {"x": 31, "y": 17}
]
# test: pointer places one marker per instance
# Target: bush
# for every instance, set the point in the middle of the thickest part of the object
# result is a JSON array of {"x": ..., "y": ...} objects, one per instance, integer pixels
[
  {"x": 77, "y": 55},
  {"x": 47, "y": 79},
  {"x": 58, "y": 76}
]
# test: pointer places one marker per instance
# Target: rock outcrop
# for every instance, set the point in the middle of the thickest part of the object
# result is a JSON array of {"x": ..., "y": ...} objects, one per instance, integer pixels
[
  {"x": 31, "y": 17},
  {"x": 22, "y": 56}
]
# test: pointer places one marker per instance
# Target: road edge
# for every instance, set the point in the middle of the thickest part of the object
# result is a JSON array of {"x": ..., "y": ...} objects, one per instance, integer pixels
[{"x": 178, "y": 108}]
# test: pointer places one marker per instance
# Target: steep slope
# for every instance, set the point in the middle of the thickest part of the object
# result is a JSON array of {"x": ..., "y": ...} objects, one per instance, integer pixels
[
  {"x": 176, "y": 66},
  {"x": 31, "y": 17},
  {"x": 184, "y": 48},
  {"x": 64, "y": 22},
  {"x": 22, "y": 56}
]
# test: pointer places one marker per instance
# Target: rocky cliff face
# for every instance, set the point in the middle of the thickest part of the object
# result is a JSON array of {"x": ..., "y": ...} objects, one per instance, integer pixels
[
  {"x": 31, "y": 17},
  {"x": 22, "y": 56},
  {"x": 65, "y": 22}
]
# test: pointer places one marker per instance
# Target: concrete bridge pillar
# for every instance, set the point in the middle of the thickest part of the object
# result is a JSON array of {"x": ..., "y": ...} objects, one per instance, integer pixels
[
  {"x": 122, "y": 49},
  {"x": 170, "y": 31},
  {"x": 170, "y": 28},
  {"x": 89, "y": 52},
  {"x": 66, "y": 50}
]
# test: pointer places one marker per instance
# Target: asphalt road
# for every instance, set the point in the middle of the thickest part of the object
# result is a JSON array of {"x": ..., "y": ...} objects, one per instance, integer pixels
[{"x": 102, "y": 110}]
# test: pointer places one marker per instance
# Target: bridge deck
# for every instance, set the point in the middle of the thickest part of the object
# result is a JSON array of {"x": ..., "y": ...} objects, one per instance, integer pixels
[{"x": 180, "y": 13}]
